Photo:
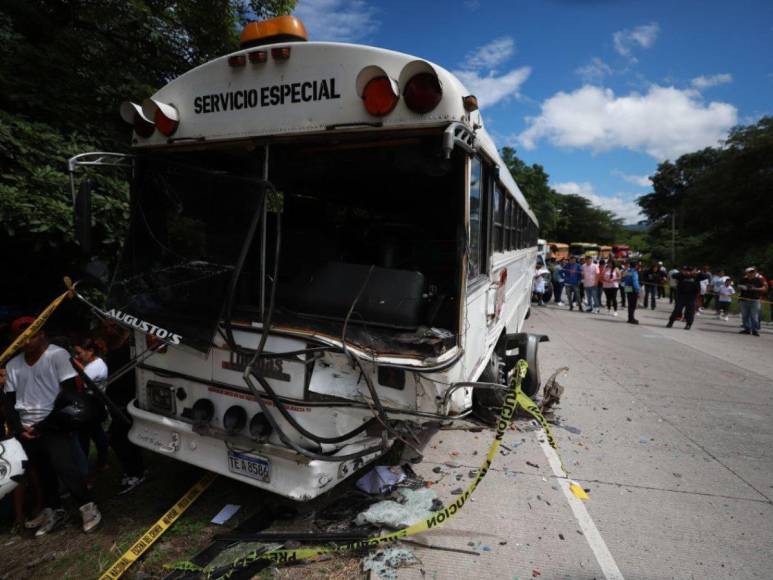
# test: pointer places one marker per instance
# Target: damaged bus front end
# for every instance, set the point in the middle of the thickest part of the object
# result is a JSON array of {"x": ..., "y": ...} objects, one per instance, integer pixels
[{"x": 324, "y": 275}]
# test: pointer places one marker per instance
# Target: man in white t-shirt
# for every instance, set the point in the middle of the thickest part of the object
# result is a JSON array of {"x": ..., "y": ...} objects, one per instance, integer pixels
[{"x": 35, "y": 378}]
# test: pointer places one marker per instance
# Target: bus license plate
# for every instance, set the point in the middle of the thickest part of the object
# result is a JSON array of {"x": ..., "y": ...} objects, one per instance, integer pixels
[{"x": 252, "y": 466}]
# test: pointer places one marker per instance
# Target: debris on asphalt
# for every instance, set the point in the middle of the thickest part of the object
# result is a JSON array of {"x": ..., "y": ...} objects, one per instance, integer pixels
[
  {"x": 225, "y": 514},
  {"x": 457, "y": 491},
  {"x": 535, "y": 573},
  {"x": 578, "y": 491},
  {"x": 381, "y": 479},
  {"x": 530, "y": 464},
  {"x": 384, "y": 563},
  {"x": 510, "y": 473},
  {"x": 424, "y": 544},
  {"x": 552, "y": 391},
  {"x": 414, "y": 505},
  {"x": 437, "y": 469},
  {"x": 561, "y": 537},
  {"x": 480, "y": 546}
]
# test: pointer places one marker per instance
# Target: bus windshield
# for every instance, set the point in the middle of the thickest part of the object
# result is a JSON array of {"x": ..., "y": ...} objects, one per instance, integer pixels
[{"x": 370, "y": 236}]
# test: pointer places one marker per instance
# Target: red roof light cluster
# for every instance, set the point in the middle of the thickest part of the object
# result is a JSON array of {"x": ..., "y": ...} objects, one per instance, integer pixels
[{"x": 150, "y": 116}]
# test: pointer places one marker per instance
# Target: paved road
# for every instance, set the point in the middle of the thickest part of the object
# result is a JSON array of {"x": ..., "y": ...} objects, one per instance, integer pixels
[{"x": 670, "y": 430}]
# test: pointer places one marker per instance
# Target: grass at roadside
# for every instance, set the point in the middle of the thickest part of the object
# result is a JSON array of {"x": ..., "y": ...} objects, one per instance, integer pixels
[{"x": 69, "y": 553}]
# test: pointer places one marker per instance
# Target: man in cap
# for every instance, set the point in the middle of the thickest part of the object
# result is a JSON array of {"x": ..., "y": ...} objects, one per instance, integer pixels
[
  {"x": 752, "y": 288},
  {"x": 35, "y": 379},
  {"x": 687, "y": 290}
]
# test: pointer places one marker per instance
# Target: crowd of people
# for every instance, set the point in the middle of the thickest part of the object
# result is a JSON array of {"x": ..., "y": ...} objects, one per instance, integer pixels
[
  {"x": 691, "y": 290},
  {"x": 52, "y": 403}
]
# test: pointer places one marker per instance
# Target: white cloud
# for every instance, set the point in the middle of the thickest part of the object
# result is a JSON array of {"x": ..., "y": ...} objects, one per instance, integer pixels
[
  {"x": 704, "y": 82},
  {"x": 337, "y": 20},
  {"x": 640, "y": 180},
  {"x": 479, "y": 75},
  {"x": 490, "y": 89},
  {"x": 472, "y": 5},
  {"x": 594, "y": 71},
  {"x": 629, "y": 211},
  {"x": 491, "y": 54},
  {"x": 642, "y": 36},
  {"x": 664, "y": 123}
]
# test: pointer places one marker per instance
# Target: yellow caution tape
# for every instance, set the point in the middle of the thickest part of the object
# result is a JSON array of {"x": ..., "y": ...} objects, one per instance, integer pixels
[
  {"x": 513, "y": 398},
  {"x": 156, "y": 530},
  {"x": 24, "y": 337}
]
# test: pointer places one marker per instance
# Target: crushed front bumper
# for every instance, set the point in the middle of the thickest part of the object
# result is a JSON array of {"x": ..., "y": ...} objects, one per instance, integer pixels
[{"x": 292, "y": 474}]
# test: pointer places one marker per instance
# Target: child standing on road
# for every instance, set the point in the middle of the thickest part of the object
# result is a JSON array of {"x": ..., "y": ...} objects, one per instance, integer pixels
[
  {"x": 726, "y": 293},
  {"x": 540, "y": 275}
]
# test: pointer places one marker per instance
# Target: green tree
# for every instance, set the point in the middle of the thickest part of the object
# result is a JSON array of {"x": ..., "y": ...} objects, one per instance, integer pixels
[
  {"x": 533, "y": 183},
  {"x": 561, "y": 217},
  {"x": 720, "y": 198},
  {"x": 65, "y": 67}
]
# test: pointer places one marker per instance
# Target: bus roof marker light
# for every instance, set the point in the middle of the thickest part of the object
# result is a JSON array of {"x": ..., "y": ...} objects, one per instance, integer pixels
[
  {"x": 422, "y": 92},
  {"x": 133, "y": 114},
  {"x": 470, "y": 103},
  {"x": 237, "y": 60},
  {"x": 165, "y": 116},
  {"x": 259, "y": 56},
  {"x": 281, "y": 53}
]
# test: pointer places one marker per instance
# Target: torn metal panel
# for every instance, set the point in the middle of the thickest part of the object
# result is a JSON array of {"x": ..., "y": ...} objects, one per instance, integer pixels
[{"x": 335, "y": 376}]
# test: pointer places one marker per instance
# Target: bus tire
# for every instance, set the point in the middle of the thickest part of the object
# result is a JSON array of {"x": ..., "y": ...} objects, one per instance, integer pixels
[
  {"x": 527, "y": 346},
  {"x": 487, "y": 403}
]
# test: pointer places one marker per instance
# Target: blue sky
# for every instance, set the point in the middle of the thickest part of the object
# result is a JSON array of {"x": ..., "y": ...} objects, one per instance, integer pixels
[{"x": 597, "y": 91}]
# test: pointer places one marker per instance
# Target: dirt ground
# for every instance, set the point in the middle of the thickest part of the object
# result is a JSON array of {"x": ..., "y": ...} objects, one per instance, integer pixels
[{"x": 69, "y": 553}]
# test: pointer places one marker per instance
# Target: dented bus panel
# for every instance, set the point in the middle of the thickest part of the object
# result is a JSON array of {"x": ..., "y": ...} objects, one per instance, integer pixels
[{"x": 325, "y": 264}]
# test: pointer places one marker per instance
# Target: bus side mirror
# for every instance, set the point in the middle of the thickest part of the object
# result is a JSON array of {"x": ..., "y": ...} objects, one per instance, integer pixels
[{"x": 82, "y": 207}]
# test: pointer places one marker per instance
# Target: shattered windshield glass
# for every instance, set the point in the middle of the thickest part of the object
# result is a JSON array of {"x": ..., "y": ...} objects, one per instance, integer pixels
[{"x": 188, "y": 228}]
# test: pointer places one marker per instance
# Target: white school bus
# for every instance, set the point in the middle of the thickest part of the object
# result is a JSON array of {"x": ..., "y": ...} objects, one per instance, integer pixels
[{"x": 326, "y": 238}]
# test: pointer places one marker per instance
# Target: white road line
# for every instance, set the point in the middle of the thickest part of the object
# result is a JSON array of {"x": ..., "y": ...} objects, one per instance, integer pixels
[{"x": 595, "y": 541}]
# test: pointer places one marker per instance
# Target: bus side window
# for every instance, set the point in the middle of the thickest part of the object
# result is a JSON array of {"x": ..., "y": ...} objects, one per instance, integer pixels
[
  {"x": 508, "y": 226},
  {"x": 514, "y": 207},
  {"x": 476, "y": 215},
  {"x": 499, "y": 220},
  {"x": 481, "y": 192}
]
